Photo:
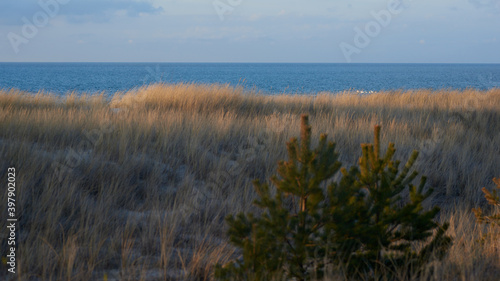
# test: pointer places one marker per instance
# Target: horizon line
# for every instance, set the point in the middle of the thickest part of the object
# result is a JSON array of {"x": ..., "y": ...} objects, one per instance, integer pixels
[{"x": 243, "y": 62}]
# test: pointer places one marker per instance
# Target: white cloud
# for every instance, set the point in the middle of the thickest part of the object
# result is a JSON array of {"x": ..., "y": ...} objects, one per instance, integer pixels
[{"x": 12, "y": 11}]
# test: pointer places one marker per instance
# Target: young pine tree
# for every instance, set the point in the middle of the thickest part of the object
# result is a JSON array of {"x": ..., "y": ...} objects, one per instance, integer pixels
[
  {"x": 493, "y": 199},
  {"x": 284, "y": 240},
  {"x": 310, "y": 222},
  {"x": 373, "y": 229}
]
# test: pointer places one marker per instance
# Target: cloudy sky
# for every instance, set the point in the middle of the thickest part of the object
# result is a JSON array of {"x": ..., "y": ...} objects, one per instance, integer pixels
[{"x": 440, "y": 31}]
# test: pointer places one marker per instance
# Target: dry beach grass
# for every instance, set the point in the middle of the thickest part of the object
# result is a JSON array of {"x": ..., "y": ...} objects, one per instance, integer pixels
[{"x": 137, "y": 186}]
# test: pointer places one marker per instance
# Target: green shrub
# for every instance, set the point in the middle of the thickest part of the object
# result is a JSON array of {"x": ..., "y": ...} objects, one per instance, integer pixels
[
  {"x": 360, "y": 224},
  {"x": 493, "y": 199}
]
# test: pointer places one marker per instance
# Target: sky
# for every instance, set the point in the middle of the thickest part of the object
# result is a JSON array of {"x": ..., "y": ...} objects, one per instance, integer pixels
[{"x": 319, "y": 31}]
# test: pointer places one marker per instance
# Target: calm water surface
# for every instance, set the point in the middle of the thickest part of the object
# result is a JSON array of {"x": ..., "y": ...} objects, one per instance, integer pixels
[{"x": 270, "y": 78}]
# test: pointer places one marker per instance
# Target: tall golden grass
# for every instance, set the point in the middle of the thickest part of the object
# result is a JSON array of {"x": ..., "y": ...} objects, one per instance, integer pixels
[{"x": 136, "y": 186}]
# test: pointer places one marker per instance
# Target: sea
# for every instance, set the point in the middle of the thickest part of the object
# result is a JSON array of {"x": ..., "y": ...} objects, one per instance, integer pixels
[{"x": 266, "y": 78}]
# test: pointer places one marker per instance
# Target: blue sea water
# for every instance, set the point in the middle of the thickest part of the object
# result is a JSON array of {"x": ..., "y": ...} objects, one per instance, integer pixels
[{"x": 270, "y": 78}]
